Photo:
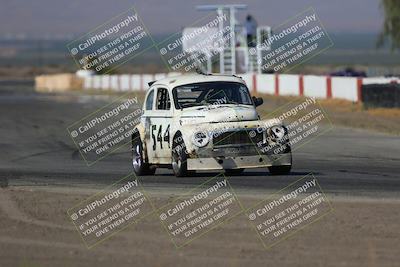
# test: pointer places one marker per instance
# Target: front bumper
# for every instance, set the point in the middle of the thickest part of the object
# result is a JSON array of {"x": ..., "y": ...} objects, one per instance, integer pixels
[{"x": 239, "y": 162}]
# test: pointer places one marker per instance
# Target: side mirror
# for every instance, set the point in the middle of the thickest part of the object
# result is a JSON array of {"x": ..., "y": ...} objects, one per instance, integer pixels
[{"x": 258, "y": 101}]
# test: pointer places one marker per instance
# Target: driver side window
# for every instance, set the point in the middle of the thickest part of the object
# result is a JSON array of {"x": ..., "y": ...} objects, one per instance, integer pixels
[
  {"x": 163, "y": 102},
  {"x": 149, "y": 100}
]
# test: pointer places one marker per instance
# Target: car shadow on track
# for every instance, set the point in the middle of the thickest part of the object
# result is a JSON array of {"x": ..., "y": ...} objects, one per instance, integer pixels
[{"x": 245, "y": 174}]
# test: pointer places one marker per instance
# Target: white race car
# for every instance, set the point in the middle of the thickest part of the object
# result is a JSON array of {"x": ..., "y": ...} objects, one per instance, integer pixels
[{"x": 206, "y": 122}]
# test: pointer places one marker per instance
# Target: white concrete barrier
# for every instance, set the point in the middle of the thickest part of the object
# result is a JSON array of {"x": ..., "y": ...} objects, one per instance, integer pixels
[
  {"x": 159, "y": 76},
  {"x": 88, "y": 82},
  {"x": 58, "y": 82},
  {"x": 266, "y": 83},
  {"x": 125, "y": 82},
  {"x": 348, "y": 88},
  {"x": 114, "y": 82},
  {"x": 315, "y": 86},
  {"x": 105, "y": 82},
  {"x": 345, "y": 88},
  {"x": 136, "y": 82},
  {"x": 289, "y": 85},
  {"x": 97, "y": 82}
]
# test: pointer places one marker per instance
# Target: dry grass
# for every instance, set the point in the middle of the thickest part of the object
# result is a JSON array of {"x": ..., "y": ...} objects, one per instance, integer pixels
[
  {"x": 385, "y": 112},
  {"x": 346, "y": 113}
]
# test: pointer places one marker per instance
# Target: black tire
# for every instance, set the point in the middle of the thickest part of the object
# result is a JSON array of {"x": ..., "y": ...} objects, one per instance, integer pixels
[
  {"x": 280, "y": 170},
  {"x": 140, "y": 167},
  {"x": 234, "y": 172},
  {"x": 179, "y": 157}
]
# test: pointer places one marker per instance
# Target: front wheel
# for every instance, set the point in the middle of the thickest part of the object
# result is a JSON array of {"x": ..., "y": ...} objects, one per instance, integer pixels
[
  {"x": 140, "y": 167},
  {"x": 179, "y": 157},
  {"x": 280, "y": 170}
]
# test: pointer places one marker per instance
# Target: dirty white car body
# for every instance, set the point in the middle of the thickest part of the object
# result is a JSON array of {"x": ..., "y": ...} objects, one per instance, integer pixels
[{"x": 210, "y": 132}]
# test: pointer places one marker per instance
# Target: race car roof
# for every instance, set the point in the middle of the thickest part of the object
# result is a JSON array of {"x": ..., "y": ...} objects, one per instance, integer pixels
[{"x": 174, "y": 81}]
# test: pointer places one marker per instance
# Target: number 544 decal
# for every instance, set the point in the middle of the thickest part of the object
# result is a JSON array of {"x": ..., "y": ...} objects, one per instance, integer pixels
[{"x": 160, "y": 137}]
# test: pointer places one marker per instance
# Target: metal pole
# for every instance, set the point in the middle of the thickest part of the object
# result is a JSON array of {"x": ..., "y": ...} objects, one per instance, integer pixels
[
  {"x": 220, "y": 13},
  {"x": 233, "y": 37}
]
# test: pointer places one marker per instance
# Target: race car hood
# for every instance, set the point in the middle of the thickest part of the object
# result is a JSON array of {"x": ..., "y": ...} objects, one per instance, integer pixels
[{"x": 218, "y": 114}]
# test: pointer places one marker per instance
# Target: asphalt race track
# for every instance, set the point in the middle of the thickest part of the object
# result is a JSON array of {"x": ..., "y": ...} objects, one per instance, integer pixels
[{"x": 36, "y": 149}]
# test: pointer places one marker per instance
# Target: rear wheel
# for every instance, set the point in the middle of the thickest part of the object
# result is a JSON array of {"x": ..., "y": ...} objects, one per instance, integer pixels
[
  {"x": 140, "y": 167},
  {"x": 234, "y": 172},
  {"x": 179, "y": 157},
  {"x": 280, "y": 170}
]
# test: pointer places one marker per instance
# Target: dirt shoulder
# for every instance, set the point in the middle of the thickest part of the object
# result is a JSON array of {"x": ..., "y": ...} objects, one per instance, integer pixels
[{"x": 35, "y": 231}]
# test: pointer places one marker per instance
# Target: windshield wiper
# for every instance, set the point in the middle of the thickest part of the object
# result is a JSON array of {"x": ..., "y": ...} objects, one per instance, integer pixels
[
  {"x": 231, "y": 102},
  {"x": 203, "y": 103},
  {"x": 187, "y": 105}
]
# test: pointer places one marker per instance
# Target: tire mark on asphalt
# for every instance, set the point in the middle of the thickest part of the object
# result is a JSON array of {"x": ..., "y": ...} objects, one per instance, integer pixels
[{"x": 36, "y": 154}]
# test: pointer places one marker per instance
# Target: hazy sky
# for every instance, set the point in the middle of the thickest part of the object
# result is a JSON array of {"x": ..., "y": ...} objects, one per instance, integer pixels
[{"x": 80, "y": 16}]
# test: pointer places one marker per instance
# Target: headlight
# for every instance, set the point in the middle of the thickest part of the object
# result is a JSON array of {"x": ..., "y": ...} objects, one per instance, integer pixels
[
  {"x": 276, "y": 133},
  {"x": 200, "y": 139}
]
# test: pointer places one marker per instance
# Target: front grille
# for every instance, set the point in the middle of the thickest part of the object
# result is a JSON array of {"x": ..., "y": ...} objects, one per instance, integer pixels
[{"x": 239, "y": 137}]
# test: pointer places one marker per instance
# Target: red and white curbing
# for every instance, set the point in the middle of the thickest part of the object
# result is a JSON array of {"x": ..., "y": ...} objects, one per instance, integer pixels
[{"x": 324, "y": 87}]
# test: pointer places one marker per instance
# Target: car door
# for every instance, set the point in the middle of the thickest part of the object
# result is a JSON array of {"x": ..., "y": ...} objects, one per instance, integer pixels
[
  {"x": 160, "y": 127},
  {"x": 145, "y": 119}
]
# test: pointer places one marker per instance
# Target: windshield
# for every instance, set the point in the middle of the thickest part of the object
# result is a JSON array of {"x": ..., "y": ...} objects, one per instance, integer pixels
[{"x": 211, "y": 93}]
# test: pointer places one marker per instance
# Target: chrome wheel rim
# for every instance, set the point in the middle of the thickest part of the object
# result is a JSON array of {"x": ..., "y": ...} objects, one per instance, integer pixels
[
  {"x": 137, "y": 158},
  {"x": 176, "y": 163}
]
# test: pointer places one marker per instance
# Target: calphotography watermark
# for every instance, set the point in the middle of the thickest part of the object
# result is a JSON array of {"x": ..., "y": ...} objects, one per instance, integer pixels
[
  {"x": 293, "y": 42},
  {"x": 110, "y": 211},
  {"x": 107, "y": 129},
  {"x": 198, "y": 45},
  {"x": 289, "y": 210},
  {"x": 199, "y": 211}
]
